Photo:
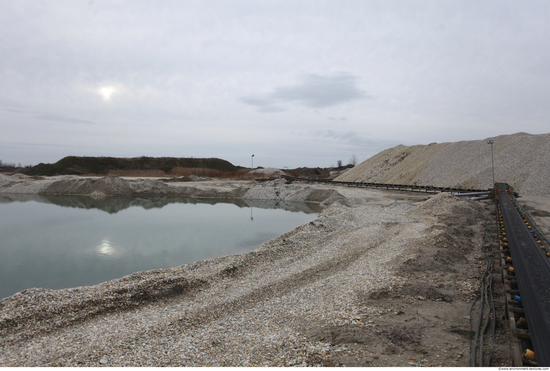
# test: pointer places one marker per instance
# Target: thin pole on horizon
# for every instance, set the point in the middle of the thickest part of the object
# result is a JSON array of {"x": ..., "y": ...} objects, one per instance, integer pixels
[
  {"x": 491, "y": 142},
  {"x": 252, "y": 167}
]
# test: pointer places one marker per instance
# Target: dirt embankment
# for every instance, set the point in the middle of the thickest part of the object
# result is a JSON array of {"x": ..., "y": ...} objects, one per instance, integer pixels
[{"x": 521, "y": 160}]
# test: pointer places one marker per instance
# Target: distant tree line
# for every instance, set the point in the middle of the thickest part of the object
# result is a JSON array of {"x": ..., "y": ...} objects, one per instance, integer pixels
[
  {"x": 11, "y": 166},
  {"x": 352, "y": 162}
]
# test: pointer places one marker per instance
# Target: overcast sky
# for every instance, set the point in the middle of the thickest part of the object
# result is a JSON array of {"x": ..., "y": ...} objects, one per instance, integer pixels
[{"x": 296, "y": 83}]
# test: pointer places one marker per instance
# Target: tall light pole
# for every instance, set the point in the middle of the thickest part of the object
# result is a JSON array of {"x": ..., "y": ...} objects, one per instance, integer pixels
[
  {"x": 491, "y": 142},
  {"x": 252, "y": 167}
]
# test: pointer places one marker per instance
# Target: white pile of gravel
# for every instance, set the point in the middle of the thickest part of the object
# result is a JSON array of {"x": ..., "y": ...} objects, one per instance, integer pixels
[
  {"x": 268, "y": 172},
  {"x": 279, "y": 191},
  {"x": 21, "y": 184},
  {"x": 521, "y": 160}
]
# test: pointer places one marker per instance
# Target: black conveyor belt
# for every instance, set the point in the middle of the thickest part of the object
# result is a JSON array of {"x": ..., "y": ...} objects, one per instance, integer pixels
[{"x": 532, "y": 270}]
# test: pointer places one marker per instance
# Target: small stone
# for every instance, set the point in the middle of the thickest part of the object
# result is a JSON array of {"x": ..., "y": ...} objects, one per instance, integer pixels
[{"x": 103, "y": 361}]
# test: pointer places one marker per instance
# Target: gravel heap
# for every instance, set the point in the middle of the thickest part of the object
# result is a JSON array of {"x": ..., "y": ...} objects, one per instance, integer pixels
[
  {"x": 109, "y": 185},
  {"x": 112, "y": 185},
  {"x": 446, "y": 204},
  {"x": 279, "y": 191},
  {"x": 268, "y": 172},
  {"x": 521, "y": 160}
]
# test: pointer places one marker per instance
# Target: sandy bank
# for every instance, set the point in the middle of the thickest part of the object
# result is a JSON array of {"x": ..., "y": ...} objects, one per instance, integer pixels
[{"x": 275, "y": 190}]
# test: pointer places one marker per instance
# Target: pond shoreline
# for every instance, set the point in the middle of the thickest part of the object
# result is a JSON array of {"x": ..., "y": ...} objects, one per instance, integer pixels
[
  {"x": 60, "y": 242},
  {"x": 112, "y": 185},
  {"x": 378, "y": 279}
]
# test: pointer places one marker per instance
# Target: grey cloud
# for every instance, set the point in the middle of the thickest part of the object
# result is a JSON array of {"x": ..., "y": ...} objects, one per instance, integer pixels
[
  {"x": 340, "y": 119},
  {"x": 18, "y": 111},
  {"x": 348, "y": 135},
  {"x": 59, "y": 118},
  {"x": 354, "y": 138},
  {"x": 318, "y": 91},
  {"x": 272, "y": 109},
  {"x": 255, "y": 101},
  {"x": 29, "y": 144},
  {"x": 314, "y": 91},
  {"x": 265, "y": 105},
  {"x": 12, "y": 106}
]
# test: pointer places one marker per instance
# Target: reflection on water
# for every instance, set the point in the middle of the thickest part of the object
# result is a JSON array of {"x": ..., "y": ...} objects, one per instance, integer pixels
[
  {"x": 106, "y": 247},
  {"x": 88, "y": 241},
  {"x": 113, "y": 205}
]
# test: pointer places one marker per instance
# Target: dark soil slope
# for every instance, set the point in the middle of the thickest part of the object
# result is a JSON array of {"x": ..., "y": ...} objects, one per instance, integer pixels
[{"x": 102, "y": 165}]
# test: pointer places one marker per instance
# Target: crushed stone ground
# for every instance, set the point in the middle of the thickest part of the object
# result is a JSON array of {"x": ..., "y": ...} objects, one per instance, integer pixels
[{"x": 378, "y": 279}]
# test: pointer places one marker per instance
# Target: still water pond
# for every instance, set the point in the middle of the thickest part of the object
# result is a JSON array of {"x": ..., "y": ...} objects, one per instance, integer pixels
[{"x": 59, "y": 242}]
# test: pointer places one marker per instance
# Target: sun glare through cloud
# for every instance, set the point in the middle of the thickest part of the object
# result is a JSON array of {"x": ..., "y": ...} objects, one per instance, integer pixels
[{"x": 106, "y": 92}]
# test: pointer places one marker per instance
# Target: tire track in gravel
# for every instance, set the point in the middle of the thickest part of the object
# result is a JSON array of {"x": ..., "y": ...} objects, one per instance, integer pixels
[
  {"x": 295, "y": 281},
  {"x": 246, "y": 267}
]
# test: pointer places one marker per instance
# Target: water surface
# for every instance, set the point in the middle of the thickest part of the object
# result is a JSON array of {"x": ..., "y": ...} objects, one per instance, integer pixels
[{"x": 60, "y": 241}]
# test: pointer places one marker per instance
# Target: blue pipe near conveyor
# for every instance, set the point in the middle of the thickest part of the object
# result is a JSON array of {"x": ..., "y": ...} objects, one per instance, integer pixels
[{"x": 532, "y": 270}]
